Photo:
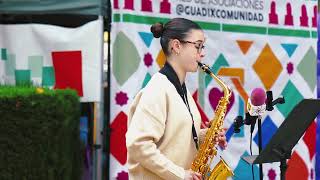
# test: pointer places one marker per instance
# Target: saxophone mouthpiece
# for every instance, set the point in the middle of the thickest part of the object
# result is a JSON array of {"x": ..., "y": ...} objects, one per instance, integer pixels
[
  {"x": 204, "y": 67},
  {"x": 199, "y": 64}
]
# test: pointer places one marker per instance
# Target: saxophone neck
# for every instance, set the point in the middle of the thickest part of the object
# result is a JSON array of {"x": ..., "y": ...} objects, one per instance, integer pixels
[{"x": 226, "y": 90}]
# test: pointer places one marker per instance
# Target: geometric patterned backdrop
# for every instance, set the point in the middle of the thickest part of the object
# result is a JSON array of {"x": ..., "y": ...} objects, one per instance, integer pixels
[{"x": 278, "y": 54}]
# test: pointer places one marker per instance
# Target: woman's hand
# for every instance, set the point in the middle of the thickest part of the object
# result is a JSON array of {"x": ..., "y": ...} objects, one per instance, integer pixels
[
  {"x": 221, "y": 139},
  {"x": 190, "y": 175}
]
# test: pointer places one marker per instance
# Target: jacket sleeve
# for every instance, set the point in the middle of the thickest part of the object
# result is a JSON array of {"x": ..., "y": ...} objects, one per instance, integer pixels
[{"x": 147, "y": 120}]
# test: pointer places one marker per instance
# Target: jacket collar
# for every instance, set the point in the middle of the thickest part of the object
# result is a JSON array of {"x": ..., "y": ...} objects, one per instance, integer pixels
[{"x": 172, "y": 76}]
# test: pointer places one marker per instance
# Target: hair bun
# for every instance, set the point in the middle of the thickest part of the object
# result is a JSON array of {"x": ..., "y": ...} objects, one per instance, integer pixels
[{"x": 157, "y": 30}]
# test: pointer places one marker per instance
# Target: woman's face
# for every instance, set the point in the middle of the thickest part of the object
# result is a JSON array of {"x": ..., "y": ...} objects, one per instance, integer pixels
[{"x": 191, "y": 51}]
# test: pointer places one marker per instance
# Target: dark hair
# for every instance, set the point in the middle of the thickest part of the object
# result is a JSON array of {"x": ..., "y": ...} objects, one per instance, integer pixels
[{"x": 177, "y": 28}]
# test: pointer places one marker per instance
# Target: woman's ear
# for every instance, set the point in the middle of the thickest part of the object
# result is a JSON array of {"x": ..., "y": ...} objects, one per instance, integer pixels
[{"x": 175, "y": 46}]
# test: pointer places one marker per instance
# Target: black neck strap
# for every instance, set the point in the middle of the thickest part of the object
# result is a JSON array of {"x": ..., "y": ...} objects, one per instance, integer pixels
[{"x": 169, "y": 72}]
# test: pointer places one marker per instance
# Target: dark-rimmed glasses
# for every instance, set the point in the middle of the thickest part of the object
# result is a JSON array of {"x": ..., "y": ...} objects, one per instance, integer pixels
[{"x": 199, "y": 46}]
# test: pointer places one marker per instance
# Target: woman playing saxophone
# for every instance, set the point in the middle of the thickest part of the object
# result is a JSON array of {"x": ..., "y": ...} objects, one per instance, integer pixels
[{"x": 164, "y": 132}]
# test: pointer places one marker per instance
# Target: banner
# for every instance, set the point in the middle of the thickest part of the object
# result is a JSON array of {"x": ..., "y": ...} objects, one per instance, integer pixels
[
  {"x": 249, "y": 44},
  {"x": 53, "y": 56}
]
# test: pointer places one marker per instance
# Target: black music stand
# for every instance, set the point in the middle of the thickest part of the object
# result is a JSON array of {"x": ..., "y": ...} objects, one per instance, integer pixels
[{"x": 291, "y": 130}]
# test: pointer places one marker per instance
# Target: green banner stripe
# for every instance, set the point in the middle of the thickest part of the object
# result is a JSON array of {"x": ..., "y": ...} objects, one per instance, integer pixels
[
  {"x": 314, "y": 34},
  {"x": 244, "y": 29},
  {"x": 288, "y": 32},
  {"x": 151, "y": 20},
  {"x": 143, "y": 19},
  {"x": 216, "y": 26},
  {"x": 116, "y": 17},
  {"x": 209, "y": 26}
]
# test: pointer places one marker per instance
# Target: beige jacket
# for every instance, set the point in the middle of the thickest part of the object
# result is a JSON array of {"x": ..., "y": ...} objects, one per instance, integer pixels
[{"x": 159, "y": 137}]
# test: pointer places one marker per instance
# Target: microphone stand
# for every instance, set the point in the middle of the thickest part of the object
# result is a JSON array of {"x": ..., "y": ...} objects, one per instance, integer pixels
[
  {"x": 253, "y": 123},
  {"x": 269, "y": 107},
  {"x": 239, "y": 121},
  {"x": 260, "y": 146}
]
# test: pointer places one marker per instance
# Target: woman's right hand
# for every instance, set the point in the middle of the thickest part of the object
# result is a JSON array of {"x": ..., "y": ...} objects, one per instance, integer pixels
[{"x": 190, "y": 175}]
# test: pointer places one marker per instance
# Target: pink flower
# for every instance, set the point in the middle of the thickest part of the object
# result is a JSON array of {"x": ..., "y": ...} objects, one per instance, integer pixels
[
  {"x": 148, "y": 59},
  {"x": 123, "y": 176},
  {"x": 272, "y": 174},
  {"x": 121, "y": 98},
  {"x": 290, "y": 68}
]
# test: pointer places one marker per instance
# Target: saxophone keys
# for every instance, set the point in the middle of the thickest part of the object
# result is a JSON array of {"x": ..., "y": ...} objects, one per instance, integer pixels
[
  {"x": 202, "y": 168},
  {"x": 210, "y": 152}
]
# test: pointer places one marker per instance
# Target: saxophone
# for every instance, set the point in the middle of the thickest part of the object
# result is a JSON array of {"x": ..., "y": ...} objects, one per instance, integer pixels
[{"x": 207, "y": 150}]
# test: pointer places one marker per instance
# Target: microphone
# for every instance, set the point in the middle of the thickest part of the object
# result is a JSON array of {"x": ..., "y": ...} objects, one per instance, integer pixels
[
  {"x": 256, "y": 103},
  {"x": 256, "y": 106}
]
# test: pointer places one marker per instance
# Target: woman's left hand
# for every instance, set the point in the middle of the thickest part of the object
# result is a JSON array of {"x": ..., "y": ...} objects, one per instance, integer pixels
[{"x": 221, "y": 139}]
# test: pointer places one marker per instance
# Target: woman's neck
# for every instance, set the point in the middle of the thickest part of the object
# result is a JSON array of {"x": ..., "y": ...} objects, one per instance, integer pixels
[{"x": 178, "y": 69}]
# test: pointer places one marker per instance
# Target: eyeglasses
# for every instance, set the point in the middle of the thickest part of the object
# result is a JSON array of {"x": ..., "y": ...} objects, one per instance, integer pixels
[{"x": 198, "y": 46}]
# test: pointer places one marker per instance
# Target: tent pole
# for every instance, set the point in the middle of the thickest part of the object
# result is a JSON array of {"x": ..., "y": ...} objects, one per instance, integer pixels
[
  {"x": 108, "y": 94},
  {"x": 99, "y": 122}
]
